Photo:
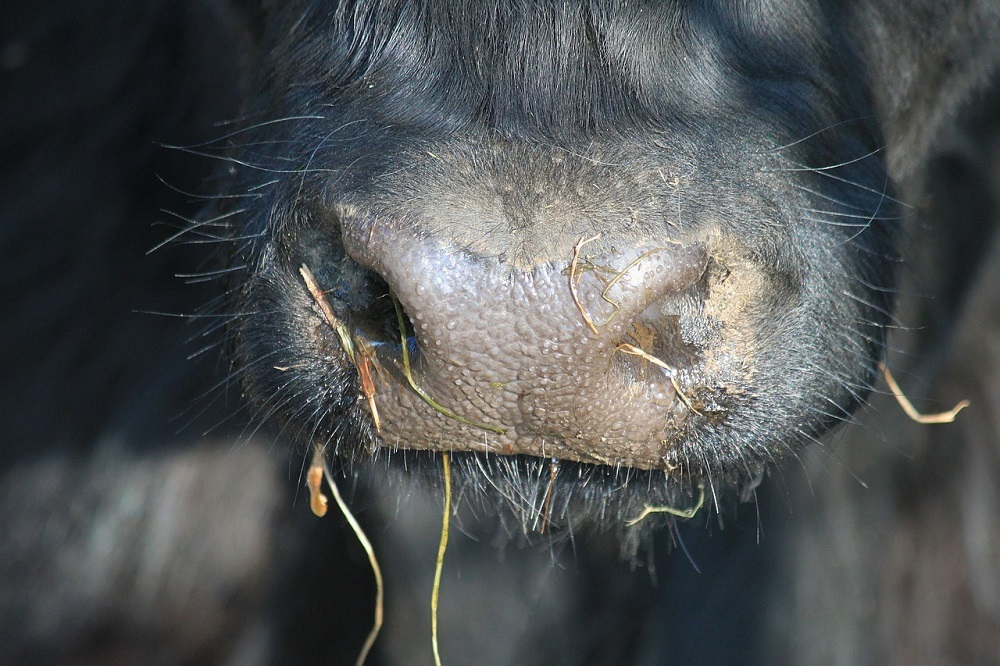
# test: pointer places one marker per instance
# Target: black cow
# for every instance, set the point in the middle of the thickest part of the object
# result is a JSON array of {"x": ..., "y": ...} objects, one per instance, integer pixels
[{"x": 605, "y": 256}]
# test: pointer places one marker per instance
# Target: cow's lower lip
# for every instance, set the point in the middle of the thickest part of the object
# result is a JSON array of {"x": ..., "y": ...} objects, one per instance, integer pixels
[{"x": 617, "y": 443}]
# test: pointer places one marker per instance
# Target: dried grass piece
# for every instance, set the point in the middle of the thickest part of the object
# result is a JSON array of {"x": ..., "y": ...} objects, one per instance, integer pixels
[
  {"x": 573, "y": 281},
  {"x": 622, "y": 273},
  {"x": 618, "y": 275},
  {"x": 911, "y": 411},
  {"x": 442, "y": 547},
  {"x": 314, "y": 479},
  {"x": 324, "y": 305},
  {"x": 635, "y": 351},
  {"x": 360, "y": 354},
  {"x": 320, "y": 462},
  {"x": 679, "y": 513},
  {"x": 366, "y": 359}
]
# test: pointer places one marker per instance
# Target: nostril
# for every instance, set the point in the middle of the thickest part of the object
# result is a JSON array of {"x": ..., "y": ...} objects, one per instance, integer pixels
[
  {"x": 381, "y": 318},
  {"x": 674, "y": 327},
  {"x": 357, "y": 294}
]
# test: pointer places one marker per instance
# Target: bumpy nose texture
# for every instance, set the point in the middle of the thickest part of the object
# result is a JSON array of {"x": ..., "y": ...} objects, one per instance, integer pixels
[{"x": 534, "y": 354}]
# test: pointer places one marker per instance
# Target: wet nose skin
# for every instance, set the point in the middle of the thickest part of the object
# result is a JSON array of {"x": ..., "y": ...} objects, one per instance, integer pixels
[{"x": 528, "y": 361}]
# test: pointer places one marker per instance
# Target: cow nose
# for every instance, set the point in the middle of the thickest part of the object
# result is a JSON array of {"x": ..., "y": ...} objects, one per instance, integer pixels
[{"x": 530, "y": 353}]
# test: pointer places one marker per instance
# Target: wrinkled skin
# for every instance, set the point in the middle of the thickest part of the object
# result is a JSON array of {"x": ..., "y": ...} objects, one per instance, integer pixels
[{"x": 615, "y": 246}]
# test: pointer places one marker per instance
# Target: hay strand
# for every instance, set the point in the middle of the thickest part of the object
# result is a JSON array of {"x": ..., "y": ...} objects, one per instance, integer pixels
[
  {"x": 911, "y": 411},
  {"x": 673, "y": 511},
  {"x": 442, "y": 547},
  {"x": 320, "y": 465}
]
